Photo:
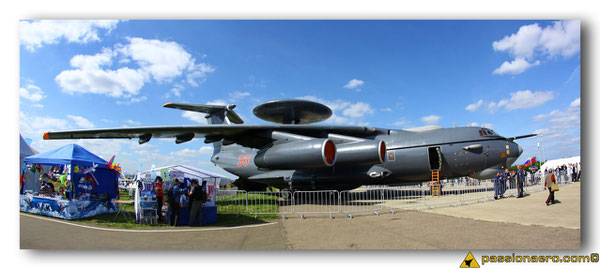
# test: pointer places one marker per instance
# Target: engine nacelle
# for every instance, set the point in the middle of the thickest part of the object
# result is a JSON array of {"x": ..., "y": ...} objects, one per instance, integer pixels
[
  {"x": 361, "y": 153},
  {"x": 314, "y": 153}
]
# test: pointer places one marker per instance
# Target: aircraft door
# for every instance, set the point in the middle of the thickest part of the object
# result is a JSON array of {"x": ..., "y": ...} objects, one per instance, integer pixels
[{"x": 435, "y": 158}]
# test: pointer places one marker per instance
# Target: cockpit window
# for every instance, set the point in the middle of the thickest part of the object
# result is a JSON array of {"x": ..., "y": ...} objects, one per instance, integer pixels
[{"x": 486, "y": 132}]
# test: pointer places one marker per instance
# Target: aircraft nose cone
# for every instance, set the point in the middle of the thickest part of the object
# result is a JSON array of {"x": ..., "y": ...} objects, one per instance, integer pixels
[{"x": 520, "y": 149}]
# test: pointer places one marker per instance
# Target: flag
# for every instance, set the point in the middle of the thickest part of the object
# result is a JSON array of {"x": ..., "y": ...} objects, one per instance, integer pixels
[{"x": 529, "y": 162}]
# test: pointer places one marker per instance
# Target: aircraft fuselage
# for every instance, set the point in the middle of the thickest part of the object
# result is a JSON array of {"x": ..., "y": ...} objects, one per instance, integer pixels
[{"x": 410, "y": 158}]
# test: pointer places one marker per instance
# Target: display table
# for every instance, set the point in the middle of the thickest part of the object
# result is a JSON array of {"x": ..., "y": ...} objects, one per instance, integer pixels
[{"x": 209, "y": 215}]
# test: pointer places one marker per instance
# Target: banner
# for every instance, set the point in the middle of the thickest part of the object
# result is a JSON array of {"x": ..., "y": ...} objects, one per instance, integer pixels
[{"x": 65, "y": 209}]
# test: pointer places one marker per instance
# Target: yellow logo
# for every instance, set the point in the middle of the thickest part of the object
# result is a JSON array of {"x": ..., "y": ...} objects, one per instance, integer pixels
[{"x": 469, "y": 262}]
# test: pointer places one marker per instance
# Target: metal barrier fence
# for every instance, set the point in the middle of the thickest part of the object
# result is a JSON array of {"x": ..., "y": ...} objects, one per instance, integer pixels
[
  {"x": 479, "y": 191},
  {"x": 234, "y": 202},
  {"x": 370, "y": 198},
  {"x": 316, "y": 202},
  {"x": 404, "y": 197},
  {"x": 362, "y": 200},
  {"x": 260, "y": 203}
]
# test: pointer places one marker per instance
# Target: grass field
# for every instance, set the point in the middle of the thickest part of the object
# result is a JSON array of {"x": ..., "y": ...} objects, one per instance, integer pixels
[{"x": 257, "y": 203}]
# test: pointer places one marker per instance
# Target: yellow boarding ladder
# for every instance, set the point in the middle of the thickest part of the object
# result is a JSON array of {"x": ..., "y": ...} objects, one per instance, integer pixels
[{"x": 435, "y": 180}]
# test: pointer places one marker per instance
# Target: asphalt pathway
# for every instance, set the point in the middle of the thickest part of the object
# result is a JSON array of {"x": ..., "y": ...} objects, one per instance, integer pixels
[{"x": 524, "y": 223}]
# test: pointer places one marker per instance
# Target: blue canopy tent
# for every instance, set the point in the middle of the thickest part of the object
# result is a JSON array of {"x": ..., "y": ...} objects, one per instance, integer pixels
[{"x": 90, "y": 185}]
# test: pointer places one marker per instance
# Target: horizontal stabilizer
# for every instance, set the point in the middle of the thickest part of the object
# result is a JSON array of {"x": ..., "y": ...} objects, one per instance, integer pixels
[{"x": 209, "y": 109}]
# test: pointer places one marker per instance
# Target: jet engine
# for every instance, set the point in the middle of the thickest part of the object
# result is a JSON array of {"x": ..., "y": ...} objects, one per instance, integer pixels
[
  {"x": 314, "y": 153},
  {"x": 361, "y": 153}
]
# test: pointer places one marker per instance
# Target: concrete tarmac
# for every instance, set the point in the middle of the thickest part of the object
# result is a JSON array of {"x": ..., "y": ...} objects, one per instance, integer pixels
[
  {"x": 46, "y": 233},
  {"x": 529, "y": 210},
  {"x": 511, "y": 223}
]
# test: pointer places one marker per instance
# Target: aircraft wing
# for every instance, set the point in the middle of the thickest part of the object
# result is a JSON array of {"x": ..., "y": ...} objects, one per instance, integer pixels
[{"x": 247, "y": 135}]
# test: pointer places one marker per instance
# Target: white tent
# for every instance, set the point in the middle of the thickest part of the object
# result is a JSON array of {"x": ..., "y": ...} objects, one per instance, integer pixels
[
  {"x": 551, "y": 164},
  {"x": 189, "y": 172},
  {"x": 24, "y": 152}
]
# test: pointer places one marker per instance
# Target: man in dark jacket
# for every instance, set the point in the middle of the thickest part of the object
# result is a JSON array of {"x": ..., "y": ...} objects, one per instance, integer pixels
[
  {"x": 497, "y": 185},
  {"x": 176, "y": 193},
  {"x": 197, "y": 198},
  {"x": 520, "y": 181}
]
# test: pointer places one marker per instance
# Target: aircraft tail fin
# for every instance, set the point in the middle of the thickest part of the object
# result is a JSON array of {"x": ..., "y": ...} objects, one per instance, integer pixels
[{"x": 217, "y": 114}]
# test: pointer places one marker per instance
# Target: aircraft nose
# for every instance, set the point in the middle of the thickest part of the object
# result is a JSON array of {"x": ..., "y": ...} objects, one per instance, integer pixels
[{"x": 520, "y": 149}]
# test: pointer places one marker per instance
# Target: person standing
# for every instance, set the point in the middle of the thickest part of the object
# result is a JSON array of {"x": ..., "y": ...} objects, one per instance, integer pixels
[
  {"x": 197, "y": 198},
  {"x": 497, "y": 185},
  {"x": 505, "y": 179},
  {"x": 547, "y": 184},
  {"x": 160, "y": 196},
  {"x": 176, "y": 193},
  {"x": 520, "y": 181}
]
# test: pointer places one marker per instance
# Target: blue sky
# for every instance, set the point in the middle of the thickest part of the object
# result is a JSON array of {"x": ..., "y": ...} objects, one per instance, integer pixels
[{"x": 517, "y": 77}]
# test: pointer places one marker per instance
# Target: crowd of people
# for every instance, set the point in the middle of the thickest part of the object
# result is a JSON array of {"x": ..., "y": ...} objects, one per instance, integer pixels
[
  {"x": 195, "y": 193},
  {"x": 507, "y": 179},
  {"x": 550, "y": 178}
]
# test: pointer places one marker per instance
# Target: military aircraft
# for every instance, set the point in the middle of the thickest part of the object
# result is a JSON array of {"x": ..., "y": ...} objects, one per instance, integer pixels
[{"x": 297, "y": 155}]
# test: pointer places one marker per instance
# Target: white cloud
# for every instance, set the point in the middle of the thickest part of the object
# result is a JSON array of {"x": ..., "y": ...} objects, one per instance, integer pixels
[
  {"x": 354, "y": 113},
  {"x": 494, "y": 106},
  {"x": 521, "y": 44},
  {"x": 561, "y": 38},
  {"x": 34, "y": 34},
  {"x": 566, "y": 119},
  {"x": 238, "y": 95},
  {"x": 93, "y": 61},
  {"x": 515, "y": 67},
  {"x": 161, "y": 61},
  {"x": 532, "y": 41},
  {"x": 113, "y": 83},
  {"x": 358, "y": 110},
  {"x": 387, "y": 109},
  {"x": 431, "y": 119},
  {"x": 354, "y": 84},
  {"x": 518, "y": 100},
  {"x": 576, "y": 103},
  {"x": 193, "y": 152},
  {"x": 218, "y": 102},
  {"x": 175, "y": 91},
  {"x": 32, "y": 93},
  {"x": 194, "y": 116},
  {"x": 132, "y": 100},
  {"x": 132, "y": 122},
  {"x": 475, "y": 106},
  {"x": 528, "y": 99},
  {"x": 560, "y": 135},
  {"x": 34, "y": 126},
  {"x": 81, "y": 121}
]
